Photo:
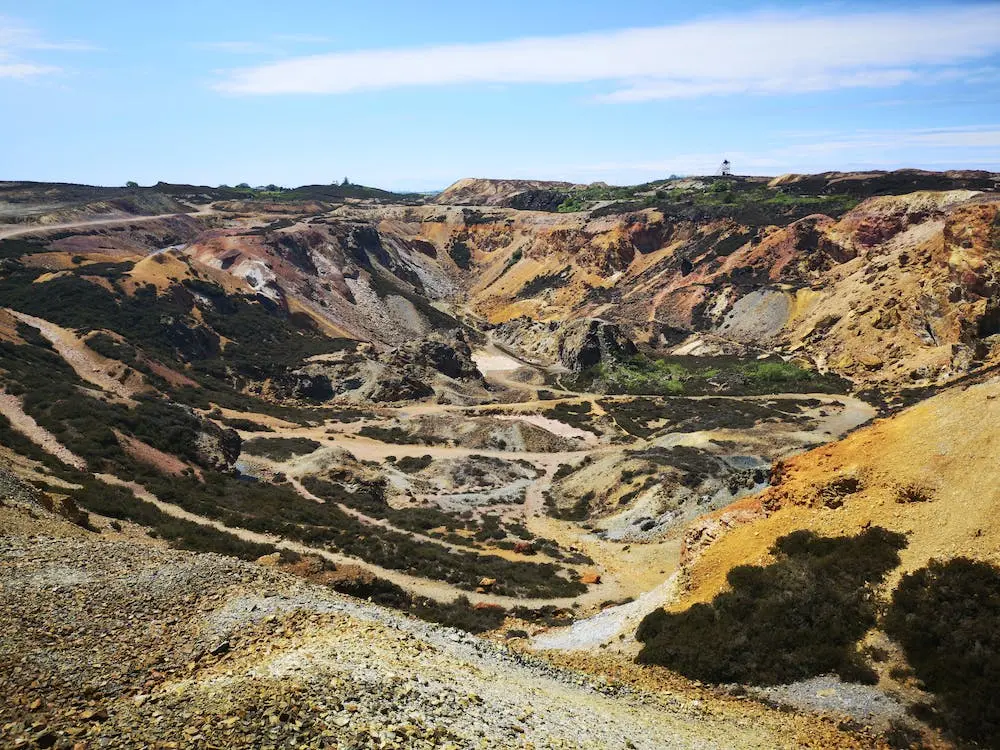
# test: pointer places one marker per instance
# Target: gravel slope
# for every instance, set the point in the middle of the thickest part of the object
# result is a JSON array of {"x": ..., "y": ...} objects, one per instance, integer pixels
[{"x": 111, "y": 644}]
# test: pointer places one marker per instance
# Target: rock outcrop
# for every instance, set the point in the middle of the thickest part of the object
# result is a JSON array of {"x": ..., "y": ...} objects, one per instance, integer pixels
[
  {"x": 587, "y": 343},
  {"x": 413, "y": 371}
]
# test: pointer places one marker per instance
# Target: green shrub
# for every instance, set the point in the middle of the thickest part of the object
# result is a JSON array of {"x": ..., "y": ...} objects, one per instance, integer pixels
[
  {"x": 246, "y": 425},
  {"x": 119, "y": 503},
  {"x": 413, "y": 464},
  {"x": 579, "y": 415},
  {"x": 460, "y": 253},
  {"x": 280, "y": 448},
  {"x": 947, "y": 619},
  {"x": 799, "y": 617}
]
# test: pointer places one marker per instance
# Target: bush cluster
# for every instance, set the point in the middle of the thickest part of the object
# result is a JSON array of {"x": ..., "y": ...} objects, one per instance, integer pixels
[{"x": 280, "y": 448}]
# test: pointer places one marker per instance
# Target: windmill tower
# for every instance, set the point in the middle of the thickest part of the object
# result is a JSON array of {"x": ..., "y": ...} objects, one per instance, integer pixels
[{"x": 724, "y": 169}]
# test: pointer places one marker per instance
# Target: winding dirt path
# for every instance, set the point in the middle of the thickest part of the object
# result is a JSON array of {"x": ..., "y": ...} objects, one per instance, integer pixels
[
  {"x": 9, "y": 231},
  {"x": 10, "y": 407},
  {"x": 107, "y": 374},
  {"x": 626, "y": 570}
]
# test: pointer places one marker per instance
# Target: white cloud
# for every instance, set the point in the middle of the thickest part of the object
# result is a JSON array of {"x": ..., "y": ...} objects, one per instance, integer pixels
[
  {"x": 16, "y": 39},
  {"x": 770, "y": 53},
  {"x": 25, "y": 70}
]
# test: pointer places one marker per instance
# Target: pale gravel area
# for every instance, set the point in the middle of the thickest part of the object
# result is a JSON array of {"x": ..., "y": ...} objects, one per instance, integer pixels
[
  {"x": 827, "y": 694},
  {"x": 157, "y": 644},
  {"x": 494, "y": 360},
  {"x": 609, "y": 624}
]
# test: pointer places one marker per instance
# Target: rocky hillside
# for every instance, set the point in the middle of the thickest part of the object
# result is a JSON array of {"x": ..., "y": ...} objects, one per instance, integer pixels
[
  {"x": 559, "y": 415},
  {"x": 117, "y": 644},
  {"x": 525, "y": 194},
  {"x": 894, "y": 290}
]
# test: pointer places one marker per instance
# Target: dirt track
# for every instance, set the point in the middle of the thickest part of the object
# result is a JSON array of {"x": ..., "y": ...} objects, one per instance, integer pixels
[
  {"x": 624, "y": 572},
  {"x": 19, "y": 230}
]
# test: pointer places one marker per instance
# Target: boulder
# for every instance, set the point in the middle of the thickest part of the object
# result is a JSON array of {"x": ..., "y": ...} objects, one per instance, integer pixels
[
  {"x": 217, "y": 447},
  {"x": 446, "y": 353}
]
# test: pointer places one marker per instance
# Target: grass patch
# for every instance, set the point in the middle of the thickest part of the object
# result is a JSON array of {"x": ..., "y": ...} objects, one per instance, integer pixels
[{"x": 696, "y": 376}]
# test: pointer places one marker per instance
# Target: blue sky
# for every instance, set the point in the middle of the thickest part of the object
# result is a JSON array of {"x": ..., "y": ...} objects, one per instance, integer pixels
[{"x": 410, "y": 95}]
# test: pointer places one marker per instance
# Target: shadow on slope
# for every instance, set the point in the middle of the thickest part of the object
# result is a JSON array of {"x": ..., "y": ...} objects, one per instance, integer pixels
[
  {"x": 797, "y": 618},
  {"x": 947, "y": 619}
]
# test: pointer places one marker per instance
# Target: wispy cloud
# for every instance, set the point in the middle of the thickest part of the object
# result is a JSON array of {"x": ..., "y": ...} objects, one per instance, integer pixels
[
  {"x": 275, "y": 44},
  {"x": 18, "y": 41},
  {"x": 969, "y": 147},
  {"x": 236, "y": 47},
  {"x": 25, "y": 70},
  {"x": 764, "y": 54}
]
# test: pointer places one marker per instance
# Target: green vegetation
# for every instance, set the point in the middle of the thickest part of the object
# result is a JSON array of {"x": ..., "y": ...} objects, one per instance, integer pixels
[
  {"x": 565, "y": 470},
  {"x": 86, "y": 426},
  {"x": 263, "y": 340},
  {"x": 119, "y": 503},
  {"x": 645, "y": 417},
  {"x": 246, "y": 425},
  {"x": 280, "y": 448},
  {"x": 112, "y": 348},
  {"x": 398, "y": 436},
  {"x": 455, "y": 614},
  {"x": 799, "y": 617},
  {"x": 413, "y": 464},
  {"x": 947, "y": 619},
  {"x": 582, "y": 198},
  {"x": 459, "y": 613},
  {"x": 544, "y": 281},
  {"x": 459, "y": 252},
  {"x": 579, "y": 415},
  {"x": 750, "y": 202},
  {"x": 695, "y": 376},
  {"x": 398, "y": 551},
  {"x": 577, "y": 512},
  {"x": 16, "y": 248}
]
